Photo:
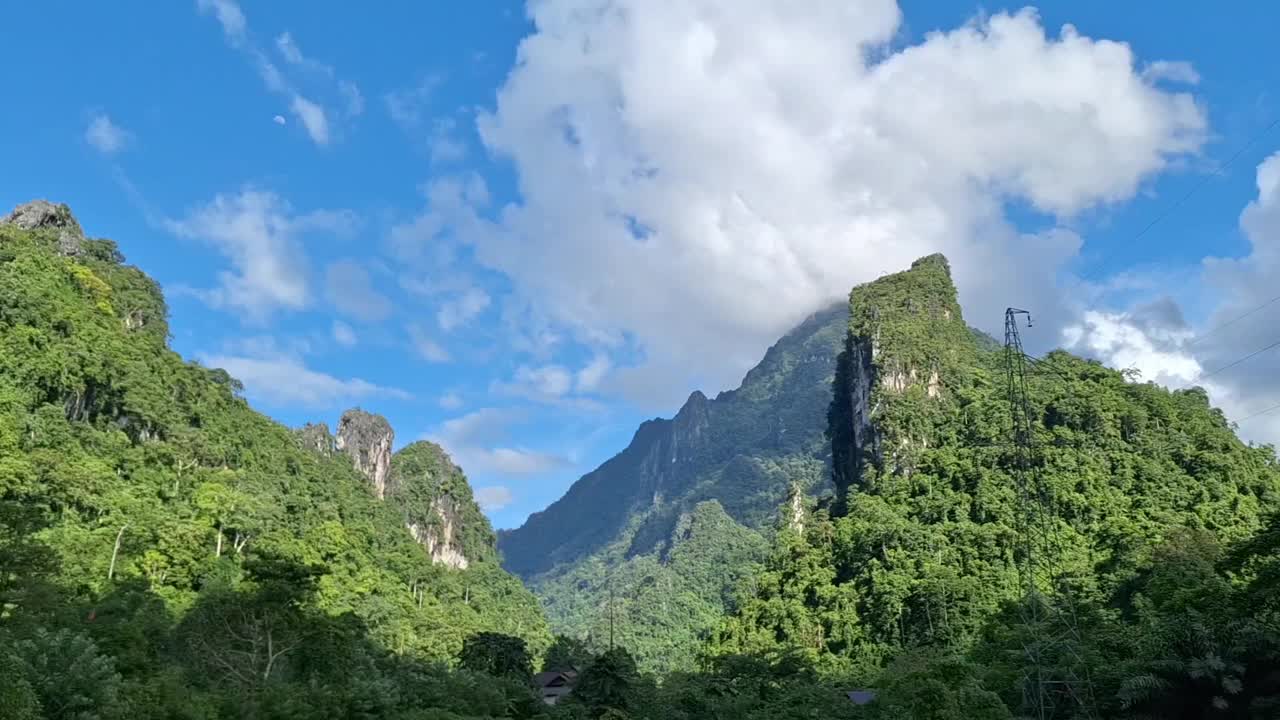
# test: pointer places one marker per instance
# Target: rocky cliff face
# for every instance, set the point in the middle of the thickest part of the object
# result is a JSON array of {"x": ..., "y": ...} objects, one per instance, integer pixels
[
  {"x": 367, "y": 438},
  {"x": 42, "y": 214},
  {"x": 317, "y": 438},
  {"x": 438, "y": 506},
  {"x": 906, "y": 338},
  {"x": 420, "y": 480},
  {"x": 743, "y": 448}
]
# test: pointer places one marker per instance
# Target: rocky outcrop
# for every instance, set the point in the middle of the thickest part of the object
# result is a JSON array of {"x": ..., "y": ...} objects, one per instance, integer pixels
[
  {"x": 441, "y": 537},
  {"x": 438, "y": 507},
  {"x": 742, "y": 446},
  {"x": 42, "y": 214},
  {"x": 317, "y": 438},
  {"x": 366, "y": 439},
  {"x": 420, "y": 481},
  {"x": 906, "y": 336}
]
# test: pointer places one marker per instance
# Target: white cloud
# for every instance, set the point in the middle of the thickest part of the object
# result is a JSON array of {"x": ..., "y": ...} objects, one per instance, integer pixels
[
  {"x": 343, "y": 334},
  {"x": 312, "y": 117},
  {"x": 105, "y": 136},
  {"x": 286, "y": 382},
  {"x": 351, "y": 93},
  {"x": 450, "y": 401},
  {"x": 483, "y": 426},
  {"x": 546, "y": 383},
  {"x": 349, "y": 288},
  {"x": 706, "y": 174},
  {"x": 408, "y": 107},
  {"x": 1156, "y": 350},
  {"x": 516, "y": 461},
  {"x": 476, "y": 441},
  {"x": 494, "y": 497},
  {"x": 1176, "y": 72},
  {"x": 427, "y": 348},
  {"x": 443, "y": 143},
  {"x": 228, "y": 15},
  {"x": 1155, "y": 338},
  {"x": 317, "y": 76},
  {"x": 258, "y": 233},
  {"x": 588, "y": 378},
  {"x": 462, "y": 309},
  {"x": 289, "y": 50}
]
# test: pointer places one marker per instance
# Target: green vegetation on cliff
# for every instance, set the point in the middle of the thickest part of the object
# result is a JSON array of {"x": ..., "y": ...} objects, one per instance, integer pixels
[
  {"x": 670, "y": 524},
  {"x": 1147, "y": 488},
  {"x": 165, "y": 551}
]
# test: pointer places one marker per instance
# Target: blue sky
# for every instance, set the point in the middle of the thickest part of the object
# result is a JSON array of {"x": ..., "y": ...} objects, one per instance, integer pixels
[{"x": 523, "y": 256}]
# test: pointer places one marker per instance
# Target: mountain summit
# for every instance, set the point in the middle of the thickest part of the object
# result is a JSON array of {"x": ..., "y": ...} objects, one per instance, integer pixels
[{"x": 640, "y": 526}]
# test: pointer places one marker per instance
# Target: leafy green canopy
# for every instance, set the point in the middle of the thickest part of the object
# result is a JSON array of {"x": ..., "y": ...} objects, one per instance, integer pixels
[
  {"x": 921, "y": 551},
  {"x": 137, "y": 492},
  {"x": 670, "y": 525}
]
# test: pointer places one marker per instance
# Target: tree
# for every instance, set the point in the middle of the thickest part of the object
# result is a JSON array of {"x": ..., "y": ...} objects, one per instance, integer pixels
[
  {"x": 921, "y": 685},
  {"x": 567, "y": 653},
  {"x": 608, "y": 683},
  {"x": 498, "y": 655}
]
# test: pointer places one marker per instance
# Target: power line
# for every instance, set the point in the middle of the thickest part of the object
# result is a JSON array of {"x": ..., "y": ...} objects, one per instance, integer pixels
[
  {"x": 1233, "y": 321},
  {"x": 1205, "y": 376},
  {"x": 1194, "y": 189},
  {"x": 1260, "y": 412}
]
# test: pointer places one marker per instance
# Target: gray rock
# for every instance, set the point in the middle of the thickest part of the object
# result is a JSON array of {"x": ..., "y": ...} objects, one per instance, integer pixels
[
  {"x": 316, "y": 438},
  {"x": 39, "y": 214},
  {"x": 366, "y": 438}
]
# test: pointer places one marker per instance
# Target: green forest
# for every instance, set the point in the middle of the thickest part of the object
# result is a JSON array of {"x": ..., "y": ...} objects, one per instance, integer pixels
[{"x": 167, "y": 552}]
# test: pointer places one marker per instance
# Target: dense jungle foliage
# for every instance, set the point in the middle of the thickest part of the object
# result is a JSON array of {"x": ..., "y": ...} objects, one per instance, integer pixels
[
  {"x": 166, "y": 552},
  {"x": 686, "y": 510}
]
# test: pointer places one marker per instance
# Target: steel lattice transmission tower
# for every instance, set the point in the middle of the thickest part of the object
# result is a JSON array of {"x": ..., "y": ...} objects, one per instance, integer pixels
[{"x": 1055, "y": 679}]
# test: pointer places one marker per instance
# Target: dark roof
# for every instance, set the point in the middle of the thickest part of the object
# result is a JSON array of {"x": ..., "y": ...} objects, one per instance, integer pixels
[
  {"x": 554, "y": 678},
  {"x": 861, "y": 697}
]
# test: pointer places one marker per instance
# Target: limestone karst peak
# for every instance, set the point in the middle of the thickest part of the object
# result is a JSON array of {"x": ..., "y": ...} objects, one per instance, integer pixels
[{"x": 367, "y": 439}]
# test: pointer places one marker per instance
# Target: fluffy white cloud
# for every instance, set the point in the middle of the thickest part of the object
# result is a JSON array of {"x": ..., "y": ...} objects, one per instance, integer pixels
[
  {"x": 546, "y": 383},
  {"x": 258, "y": 232},
  {"x": 312, "y": 117},
  {"x": 476, "y": 441},
  {"x": 316, "y": 120},
  {"x": 1125, "y": 341},
  {"x": 515, "y": 461},
  {"x": 462, "y": 309},
  {"x": 1220, "y": 354},
  {"x": 588, "y": 378},
  {"x": 409, "y": 107},
  {"x": 285, "y": 381},
  {"x": 450, "y": 401},
  {"x": 105, "y": 136},
  {"x": 427, "y": 348},
  {"x": 350, "y": 289},
  {"x": 229, "y": 16},
  {"x": 494, "y": 497},
  {"x": 707, "y": 173},
  {"x": 343, "y": 334}
]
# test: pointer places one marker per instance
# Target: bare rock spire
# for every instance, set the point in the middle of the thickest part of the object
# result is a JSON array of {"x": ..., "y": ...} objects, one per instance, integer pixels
[
  {"x": 44, "y": 214},
  {"x": 367, "y": 438}
]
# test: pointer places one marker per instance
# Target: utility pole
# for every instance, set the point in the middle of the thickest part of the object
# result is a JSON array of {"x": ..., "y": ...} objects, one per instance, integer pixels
[
  {"x": 610, "y": 613},
  {"x": 1054, "y": 675}
]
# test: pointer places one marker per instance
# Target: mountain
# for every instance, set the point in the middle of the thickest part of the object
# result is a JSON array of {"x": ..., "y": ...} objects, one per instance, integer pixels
[
  {"x": 1126, "y": 501},
  {"x": 132, "y": 481},
  {"x": 683, "y": 512}
]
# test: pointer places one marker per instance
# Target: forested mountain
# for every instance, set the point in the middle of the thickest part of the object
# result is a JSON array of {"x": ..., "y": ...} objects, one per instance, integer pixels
[
  {"x": 165, "y": 551},
  {"x": 855, "y": 516},
  {"x": 656, "y": 538},
  {"x": 1152, "y": 505}
]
